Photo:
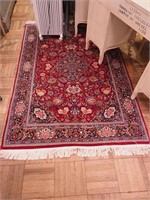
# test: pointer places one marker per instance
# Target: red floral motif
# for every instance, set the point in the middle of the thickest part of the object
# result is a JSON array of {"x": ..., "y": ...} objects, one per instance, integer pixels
[
  {"x": 106, "y": 132},
  {"x": 91, "y": 100},
  {"x": 57, "y": 101},
  {"x": 42, "y": 74},
  {"x": 40, "y": 92},
  {"x": 63, "y": 111},
  {"x": 43, "y": 59},
  {"x": 73, "y": 89},
  {"x": 93, "y": 79},
  {"x": 101, "y": 72},
  {"x": 52, "y": 80},
  {"x": 95, "y": 64},
  {"x": 74, "y": 111},
  {"x": 45, "y": 134},
  {"x": 40, "y": 113},
  {"x": 116, "y": 63},
  {"x": 109, "y": 112},
  {"x": 86, "y": 111},
  {"x": 48, "y": 66},
  {"x": 31, "y": 38},
  {"x": 20, "y": 107},
  {"x": 106, "y": 90},
  {"x": 128, "y": 105},
  {"x": 26, "y": 66},
  {"x": 53, "y": 54},
  {"x": 71, "y": 47},
  {"x": 44, "y": 46}
]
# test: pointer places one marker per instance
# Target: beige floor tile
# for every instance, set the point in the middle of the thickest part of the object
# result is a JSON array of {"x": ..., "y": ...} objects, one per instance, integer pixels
[
  {"x": 64, "y": 198},
  {"x": 131, "y": 174},
  {"x": 38, "y": 181},
  {"x": 42, "y": 161},
  {"x": 105, "y": 197},
  {"x": 70, "y": 178},
  {"x": 5, "y": 162},
  {"x": 101, "y": 176},
  {"x": 135, "y": 196},
  {"x": 11, "y": 179},
  {"x": 8, "y": 71},
  {"x": 147, "y": 166},
  {"x": 70, "y": 198}
]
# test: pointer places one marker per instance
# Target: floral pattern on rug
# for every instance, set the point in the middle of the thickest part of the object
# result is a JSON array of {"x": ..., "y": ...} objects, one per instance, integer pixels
[{"x": 63, "y": 97}]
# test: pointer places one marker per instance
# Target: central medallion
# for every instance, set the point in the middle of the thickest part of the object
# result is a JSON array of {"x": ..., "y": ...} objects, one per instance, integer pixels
[{"x": 72, "y": 66}]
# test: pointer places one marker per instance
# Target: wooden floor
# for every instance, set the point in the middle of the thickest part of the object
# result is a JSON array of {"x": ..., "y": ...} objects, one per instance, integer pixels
[{"x": 75, "y": 178}]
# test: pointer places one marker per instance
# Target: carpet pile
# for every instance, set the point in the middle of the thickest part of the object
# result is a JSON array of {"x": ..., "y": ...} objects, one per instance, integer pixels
[{"x": 64, "y": 102}]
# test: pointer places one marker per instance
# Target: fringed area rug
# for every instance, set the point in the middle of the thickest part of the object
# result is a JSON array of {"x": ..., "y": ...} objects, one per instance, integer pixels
[{"x": 65, "y": 103}]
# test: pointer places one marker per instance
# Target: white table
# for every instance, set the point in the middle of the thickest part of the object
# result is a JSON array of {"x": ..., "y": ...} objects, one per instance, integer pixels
[{"x": 110, "y": 23}]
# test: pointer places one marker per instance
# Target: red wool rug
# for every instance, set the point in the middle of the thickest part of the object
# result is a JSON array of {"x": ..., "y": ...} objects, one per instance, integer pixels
[{"x": 65, "y": 103}]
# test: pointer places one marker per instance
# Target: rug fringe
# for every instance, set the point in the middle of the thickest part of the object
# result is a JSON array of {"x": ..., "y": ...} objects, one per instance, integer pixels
[
  {"x": 35, "y": 154},
  {"x": 30, "y": 22}
]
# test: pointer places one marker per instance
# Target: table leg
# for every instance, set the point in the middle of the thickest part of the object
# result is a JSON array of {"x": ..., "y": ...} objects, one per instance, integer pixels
[{"x": 1, "y": 26}]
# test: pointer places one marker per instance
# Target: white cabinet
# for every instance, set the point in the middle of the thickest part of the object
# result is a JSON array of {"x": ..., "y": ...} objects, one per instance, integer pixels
[
  {"x": 143, "y": 85},
  {"x": 81, "y": 12},
  {"x": 104, "y": 29}
]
